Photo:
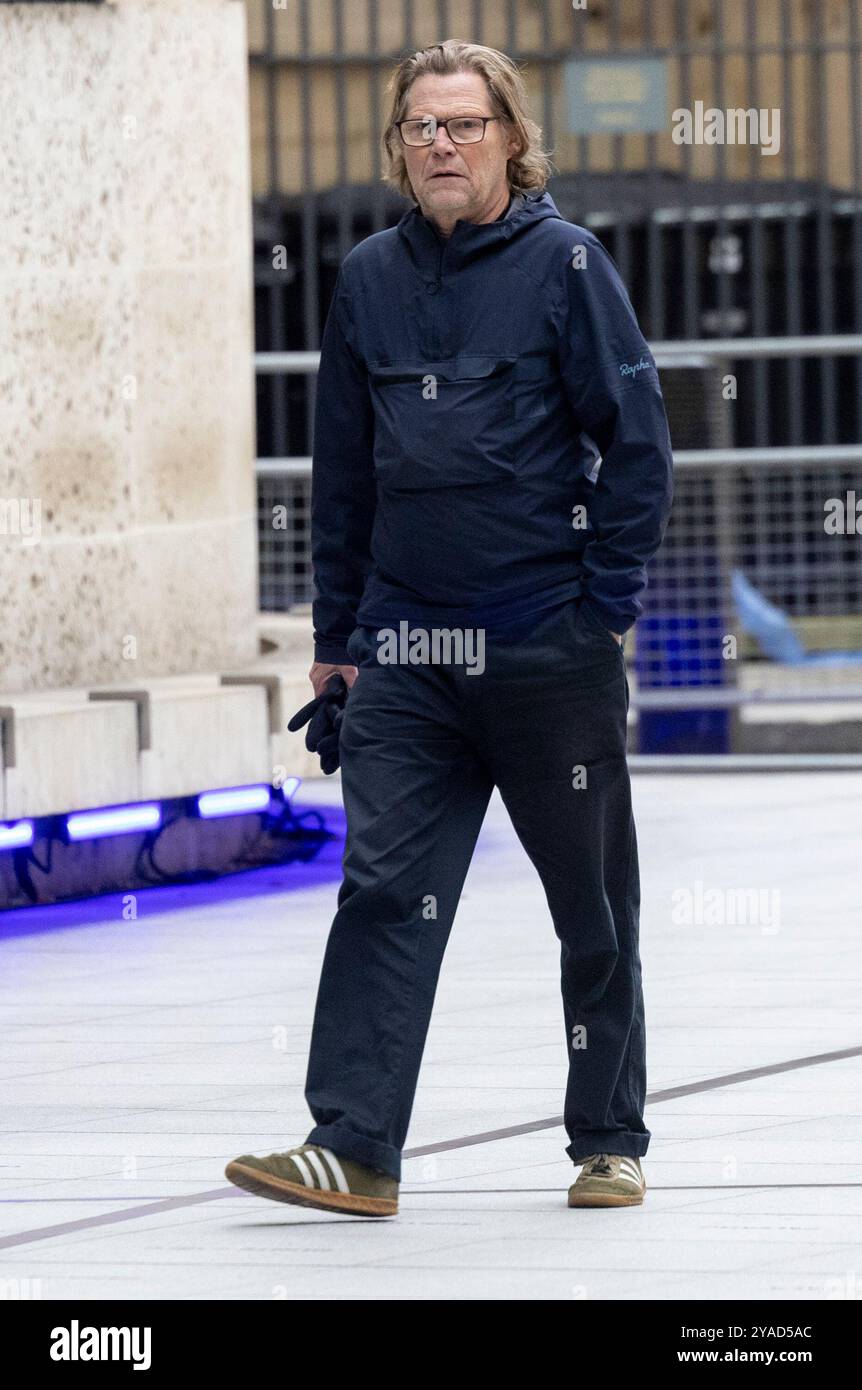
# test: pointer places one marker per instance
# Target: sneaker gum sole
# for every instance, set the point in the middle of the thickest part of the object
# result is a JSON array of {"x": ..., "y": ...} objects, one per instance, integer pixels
[
  {"x": 297, "y": 1194},
  {"x": 605, "y": 1199}
]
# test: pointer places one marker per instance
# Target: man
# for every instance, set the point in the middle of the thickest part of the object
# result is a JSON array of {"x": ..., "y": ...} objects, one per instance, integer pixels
[{"x": 478, "y": 359}]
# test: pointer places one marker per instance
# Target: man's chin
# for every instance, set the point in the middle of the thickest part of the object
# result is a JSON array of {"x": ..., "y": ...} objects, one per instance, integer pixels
[
  {"x": 450, "y": 189},
  {"x": 448, "y": 205}
]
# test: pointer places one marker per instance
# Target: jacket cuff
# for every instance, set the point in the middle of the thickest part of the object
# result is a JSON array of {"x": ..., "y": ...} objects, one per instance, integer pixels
[{"x": 332, "y": 654}]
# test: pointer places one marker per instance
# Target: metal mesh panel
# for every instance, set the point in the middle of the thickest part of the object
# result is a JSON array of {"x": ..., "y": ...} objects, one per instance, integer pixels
[
  {"x": 686, "y": 606},
  {"x": 712, "y": 241},
  {"x": 284, "y": 540}
]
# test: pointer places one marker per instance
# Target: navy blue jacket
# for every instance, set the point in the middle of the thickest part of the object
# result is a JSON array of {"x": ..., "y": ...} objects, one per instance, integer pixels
[{"x": 468, "y": 387}]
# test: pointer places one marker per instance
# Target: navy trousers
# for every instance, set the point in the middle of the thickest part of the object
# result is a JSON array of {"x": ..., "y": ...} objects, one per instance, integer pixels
[{"x": 422, "y": 747}]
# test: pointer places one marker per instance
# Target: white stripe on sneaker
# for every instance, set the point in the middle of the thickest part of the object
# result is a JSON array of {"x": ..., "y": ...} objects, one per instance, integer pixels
[
  {"x": 337, "y": 1170},
  {"x": 629, "y": 1170},
  {"x": 319, "y": 1169},
  {"x": 303, "y": 1169}
]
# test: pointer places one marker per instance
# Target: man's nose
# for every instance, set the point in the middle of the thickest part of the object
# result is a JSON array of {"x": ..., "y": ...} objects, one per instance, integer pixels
[{"x": 445, "y": 143}]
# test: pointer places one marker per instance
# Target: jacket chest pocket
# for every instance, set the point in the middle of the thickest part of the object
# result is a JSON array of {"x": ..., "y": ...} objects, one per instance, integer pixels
[
  {"x": 532, "y": 377},
  {"x": 445, "y": 424}
]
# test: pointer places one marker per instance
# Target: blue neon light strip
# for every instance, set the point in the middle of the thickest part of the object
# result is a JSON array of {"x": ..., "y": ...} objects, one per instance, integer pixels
[
  {"x": 233, "y": 801},
  {"x": 13, "y": 836},
  {"x": 117, "y": 820},
  {"x": 122, "y": 820}
]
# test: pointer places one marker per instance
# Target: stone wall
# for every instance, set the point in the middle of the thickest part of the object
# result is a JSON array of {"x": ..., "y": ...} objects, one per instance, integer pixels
[{"x": 127, "y": 494}]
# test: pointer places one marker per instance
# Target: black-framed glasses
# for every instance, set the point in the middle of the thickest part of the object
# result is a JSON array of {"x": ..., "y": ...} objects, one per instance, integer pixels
[{"x": 462, "y": 130}]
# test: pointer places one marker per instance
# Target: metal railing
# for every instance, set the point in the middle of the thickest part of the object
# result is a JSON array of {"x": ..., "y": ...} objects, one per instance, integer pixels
[
  {"x": 729, "y": 258},
  {"x": 667, "y": 355},
  {"x": 756, "y": 509},
  {"x": 710, "y": 239}
]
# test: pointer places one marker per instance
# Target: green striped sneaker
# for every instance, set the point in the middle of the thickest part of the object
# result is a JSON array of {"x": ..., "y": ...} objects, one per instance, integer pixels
[
  {"x": 608, "y": 1180},
  {"x": 311, "y": 1176}
]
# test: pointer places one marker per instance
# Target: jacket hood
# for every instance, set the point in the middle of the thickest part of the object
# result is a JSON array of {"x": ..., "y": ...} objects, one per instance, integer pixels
[{"x": 470, "y": 239}]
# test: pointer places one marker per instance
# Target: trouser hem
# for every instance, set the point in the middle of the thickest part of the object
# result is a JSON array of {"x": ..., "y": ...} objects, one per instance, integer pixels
[
  {"x": 607, "y": 1141},
  {"x": 346, "y": 1143}
]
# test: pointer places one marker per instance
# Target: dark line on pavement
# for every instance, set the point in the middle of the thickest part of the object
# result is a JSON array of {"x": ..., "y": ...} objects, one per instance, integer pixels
[
  {"x": 656, "y": 1187},
  {"x": 692, "y": 1088},
  {"x": 110, "y": 1217}
]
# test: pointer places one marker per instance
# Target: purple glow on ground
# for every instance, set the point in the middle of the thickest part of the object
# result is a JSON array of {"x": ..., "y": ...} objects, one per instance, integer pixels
[{"x": 269, "y": 880}]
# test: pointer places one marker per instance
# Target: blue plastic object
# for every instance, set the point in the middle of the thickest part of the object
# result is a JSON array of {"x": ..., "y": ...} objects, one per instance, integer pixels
[{"x": 774, "y": 633}]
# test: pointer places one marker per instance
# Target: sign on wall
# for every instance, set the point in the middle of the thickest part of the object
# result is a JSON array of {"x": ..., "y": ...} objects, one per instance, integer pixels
[{"x": 614, "y": 95}]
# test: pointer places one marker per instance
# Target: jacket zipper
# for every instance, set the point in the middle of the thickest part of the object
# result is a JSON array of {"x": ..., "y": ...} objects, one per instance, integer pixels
[{"x": 437, "y": 346}]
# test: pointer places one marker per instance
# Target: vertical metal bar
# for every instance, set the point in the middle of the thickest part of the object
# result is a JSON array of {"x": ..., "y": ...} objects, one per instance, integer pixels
[
  {"x": 656, "y": 326},
  {"x": 443, "y": 20},
  {"x": 722, "y": 228},
  {"x": 375, "y": 131},
  {"x": 477, "y": 22},
  {"x": 277, "y": 389},
  {"x": 548, "y": 122},
  {"x": 622, "y": 239},
  {"x": 792, "y": 251},
  {"x": 797, "y": 485},
  {"x": 757, "y": 285},
  {"x": 825, "y": 317},
  {"x": 310, "y": 276},
  {"x": 856, "y": 254},
  {"x": 689, "y": 245},
  {"x": 512, "y": 28},
  {"x": 271, "y": 102},
  {"x": 345, "y": 193},
  {"x": 725, "y": 483},
  {"x": 613, "y": 47},
  {"x": 579, "y": 20}
]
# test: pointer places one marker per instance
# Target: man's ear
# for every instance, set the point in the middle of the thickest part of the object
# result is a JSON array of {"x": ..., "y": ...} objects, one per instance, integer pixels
[{"x": 513, "y": 149}]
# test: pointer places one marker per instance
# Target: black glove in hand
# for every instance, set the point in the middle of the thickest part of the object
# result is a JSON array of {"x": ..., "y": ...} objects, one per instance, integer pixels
[{"x": 323, "y": 716}]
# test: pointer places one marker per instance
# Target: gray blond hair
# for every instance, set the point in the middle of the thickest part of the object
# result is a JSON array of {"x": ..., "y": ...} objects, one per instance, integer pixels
[{"x": 529, "y": 169}]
